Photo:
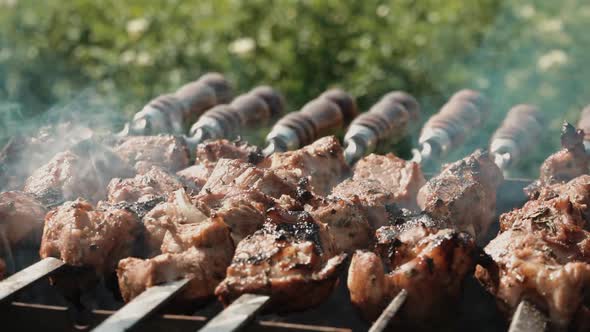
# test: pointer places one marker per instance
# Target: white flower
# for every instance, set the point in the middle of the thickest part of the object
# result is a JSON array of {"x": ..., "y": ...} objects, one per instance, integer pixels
[
  {"x": 552, "y": 59},
  {"x": 382, "y": 11},
  {"x": 137, "y": 27},
  {"x": 242, "y": 45}
]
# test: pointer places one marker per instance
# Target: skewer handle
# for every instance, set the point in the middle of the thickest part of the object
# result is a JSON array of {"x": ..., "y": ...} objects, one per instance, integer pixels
[
  {"x": 444, "y": 131},
  {"x": 237, "y": 315},
  {"x": 141, "y": 307},
  {"x": 325, "y": 115},
  {"x": 517, "y": 133},
  {"x": 18, "y": 281}
]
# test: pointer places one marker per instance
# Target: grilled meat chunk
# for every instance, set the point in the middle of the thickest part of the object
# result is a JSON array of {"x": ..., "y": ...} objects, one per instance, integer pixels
[
  {"x": 2, "y": 268},
  {"x": 291, "y": 255},
  {"x": 197, "y": 175},
  {"x": 238, "y": 193},
  {"x": 424, "y": 256},
  {"x": 464, "y": 193},
  {"x": 21, "y": 215},
  {"x": 232, "y": 174},
  {"x": 143, "y": 152},
  {"x": 147, "y": 186},
  {"x": 564, "y": 165},
  {"x": 83, "y": 171},
  {"x": 321, "y": 163},
  {"x": 348, "y": 223},
  {"x": 199, "y": 251},
  {"x": 82, "y": 235},
  {"x": 211, "y": 152},
  {"x": 379, "y": 181},
  {"x": 542, "y": 254}
]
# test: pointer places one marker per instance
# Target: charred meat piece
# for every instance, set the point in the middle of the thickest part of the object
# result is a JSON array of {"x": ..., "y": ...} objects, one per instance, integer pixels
[
  {"x": 21, "y": 215},
  {"x": 426, "y": 257},
  {"x": 144, "y": 187},
  {"x": 320, "y": 163},
  {"x": 212, "y": 151},
  {"x": 82, "y": 235},
  {"x": 464, "y": 193},
  {"x": 290, "y": 256},
  {"x": 542, "y": 254},
  {"x": 83, "y": 171},
  {"x": 199, "y": 251},
  {"x": 347, "y": 221},
  {"x": 143, "y": 152},
  {"x": 379, "y": 181},
  {"x": 564, "y": 165}
]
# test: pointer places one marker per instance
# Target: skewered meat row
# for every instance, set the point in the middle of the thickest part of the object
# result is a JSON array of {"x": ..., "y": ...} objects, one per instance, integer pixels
[
  {"x": 430, "y": 253},
  {"x": 542, "y": 254}
]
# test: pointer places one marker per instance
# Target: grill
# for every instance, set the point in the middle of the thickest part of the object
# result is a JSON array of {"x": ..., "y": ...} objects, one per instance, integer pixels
[{"x": 50, "y": 308}]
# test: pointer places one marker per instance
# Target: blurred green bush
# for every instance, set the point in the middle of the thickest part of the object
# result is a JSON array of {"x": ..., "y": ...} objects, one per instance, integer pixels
[{"x": 118, "y": 54}]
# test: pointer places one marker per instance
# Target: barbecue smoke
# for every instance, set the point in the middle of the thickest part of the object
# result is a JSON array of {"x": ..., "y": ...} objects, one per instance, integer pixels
[{"x": 530, "y": 54}]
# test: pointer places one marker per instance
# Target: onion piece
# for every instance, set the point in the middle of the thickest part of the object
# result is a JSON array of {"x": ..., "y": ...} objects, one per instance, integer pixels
[{"x": 186, "y": 208}]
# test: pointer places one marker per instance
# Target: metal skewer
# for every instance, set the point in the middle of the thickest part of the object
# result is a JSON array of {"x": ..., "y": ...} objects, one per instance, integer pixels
[
  {"x": 387, "y": 120},
  {"x": 170, "y": 112},
  {"x": 141, "y": 307},
  {"x": 516, "y": 135},
  {"x": 18, "y": 281},
  {"x": 387, "y": 315},
  {"x": 527, "y": 318},
  {"x": 464, "y": 112},
  {"x": 323, "y": 116},
  {"x": 237, "y": 315}
]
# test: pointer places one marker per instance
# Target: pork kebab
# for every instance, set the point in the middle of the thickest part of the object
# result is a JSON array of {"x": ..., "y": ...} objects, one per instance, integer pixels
[{"x": 540, "y": 254}]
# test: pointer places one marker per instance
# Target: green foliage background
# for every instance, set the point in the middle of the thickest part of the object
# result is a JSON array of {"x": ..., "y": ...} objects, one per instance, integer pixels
[{"x": 107, "y": 58}]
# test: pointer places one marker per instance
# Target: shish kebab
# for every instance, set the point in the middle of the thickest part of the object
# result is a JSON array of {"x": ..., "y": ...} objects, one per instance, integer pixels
[
  {"x": 321, "y": 116},
  {"x": 247, "y": 111},
  {"x": 539, "y": 265},
  {"x": 256, "y": 299}
]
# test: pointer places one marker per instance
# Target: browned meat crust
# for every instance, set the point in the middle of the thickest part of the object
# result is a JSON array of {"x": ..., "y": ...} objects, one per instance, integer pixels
[
  {"x": 291, "y": 255},
  {"x": 464, "y": 193},
  {"x": 426, "y": 257},
  {"x": 213, "y": 151},
  {"x": 21, "y": 215},
  {"x": 143, "y": 152},
  {"x": 83, "y": 171},
  {"x": 542, "y": 254},
  {"x": 379, "y": 181},
  {"x": 321, "y": 163},
  {"x": 144, "y": 187},
  {"x": 82, "y": 235}
]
